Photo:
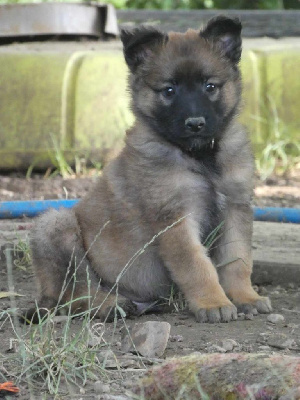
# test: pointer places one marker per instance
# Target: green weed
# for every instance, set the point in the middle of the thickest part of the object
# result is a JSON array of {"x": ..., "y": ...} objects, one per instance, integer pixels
[
  {"x": 54, "y": 360},
  {"x": 177, "y": 299},
  {"x": 279, "y": 154},
  {"x": 59, "y": 160},
  {"x": 67, "y": 165},
  {"x": 22, "y": 257}
]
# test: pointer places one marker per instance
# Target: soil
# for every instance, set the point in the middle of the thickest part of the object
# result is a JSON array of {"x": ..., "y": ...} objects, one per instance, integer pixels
[
  {"x": 250, "y": 334},
  {"x": 255, "y": 334}
]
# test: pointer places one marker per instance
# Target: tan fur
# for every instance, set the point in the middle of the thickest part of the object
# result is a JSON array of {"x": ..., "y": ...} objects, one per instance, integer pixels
[{"x": 141, "y": 224}]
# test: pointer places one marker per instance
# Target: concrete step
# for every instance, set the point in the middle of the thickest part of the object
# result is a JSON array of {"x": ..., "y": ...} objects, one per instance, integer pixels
[
  {"x": 75, "y": 95},
  {"x": 276, "y": 253}
]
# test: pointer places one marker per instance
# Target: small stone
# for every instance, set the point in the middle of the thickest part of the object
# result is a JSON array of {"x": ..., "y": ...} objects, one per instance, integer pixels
[
  {"x": 288, "y": 344},
  {"x": 94, "y": 341},
  {"x": 100, "y": 387},
  {"x": 293, "y": 326},
  {"x": 275, "y": 318},
  {"x": 291, "y": 285},
  {"x": 125, "y": 362},
  {"x": 228, "y": 344},
  {"x": 281, "y": 341},
  {"x": 108, "y": 359},
  {"x": 249, "y": 316},
  {"x": 215, "y": 348},
  {"x": 176, "y": 338},
  {"x": 115, "y": 386},
  {"x": 149, "y": 338},
  {"x": 128, "y": 383},
  {"x": 264, "y": 348},
  {"x": 241, "y": 315},
  {"x": 58, "y": 319},
  {"x": 187, "y": 350},
  {"x": 263, "y": 291}
]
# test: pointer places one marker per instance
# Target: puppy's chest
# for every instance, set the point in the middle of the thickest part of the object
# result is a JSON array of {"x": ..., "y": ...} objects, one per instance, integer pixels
[
  {"x": 208, "y": 200},
  {"x": 206, "y": 184}
]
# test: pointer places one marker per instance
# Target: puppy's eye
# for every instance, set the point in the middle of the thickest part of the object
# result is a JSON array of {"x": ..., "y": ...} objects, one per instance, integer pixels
[
  {"x": 169, "y": 91},
  {"x": 210, "y": 87}
]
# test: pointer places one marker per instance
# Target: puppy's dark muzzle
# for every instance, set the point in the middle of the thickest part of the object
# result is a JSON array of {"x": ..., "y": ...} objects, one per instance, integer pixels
[{"x": 195, "y": 125}]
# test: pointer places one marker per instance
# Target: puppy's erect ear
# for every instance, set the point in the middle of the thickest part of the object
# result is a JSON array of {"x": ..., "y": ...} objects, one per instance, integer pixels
[
  {"x": 140, "y": 43},
  {"x": 225, "y": 33}
]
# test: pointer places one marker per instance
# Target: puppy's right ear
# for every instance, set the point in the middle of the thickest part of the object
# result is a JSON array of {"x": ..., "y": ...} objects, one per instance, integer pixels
[{"x": 140, "y": 43}]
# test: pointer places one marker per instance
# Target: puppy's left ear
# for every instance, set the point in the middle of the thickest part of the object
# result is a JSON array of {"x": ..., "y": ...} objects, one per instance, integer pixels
[{"x": 225, "y": 33}]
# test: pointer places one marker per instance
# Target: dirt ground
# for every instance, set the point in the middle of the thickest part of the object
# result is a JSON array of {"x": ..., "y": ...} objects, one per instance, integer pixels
[{"x": 253, "y": 334}]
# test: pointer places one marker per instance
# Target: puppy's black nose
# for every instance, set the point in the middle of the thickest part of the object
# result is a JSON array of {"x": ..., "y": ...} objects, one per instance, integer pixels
[{"x": 195, "y": 124}]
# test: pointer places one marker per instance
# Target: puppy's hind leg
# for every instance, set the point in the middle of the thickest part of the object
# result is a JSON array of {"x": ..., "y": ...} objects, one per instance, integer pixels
[
  {"x": 63, "y": 273},
  {"x": 55, "y": 240}
]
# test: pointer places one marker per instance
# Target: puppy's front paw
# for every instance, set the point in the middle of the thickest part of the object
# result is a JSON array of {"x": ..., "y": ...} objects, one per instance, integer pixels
[
  {"x": 260, "y": 305},
  {"x": 263, "y": 305},
  {"x": 220, "y": 314}
]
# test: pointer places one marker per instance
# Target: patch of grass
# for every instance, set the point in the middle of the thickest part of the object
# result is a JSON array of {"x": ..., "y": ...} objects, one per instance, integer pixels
[
  {"x": 59, "y": 160},
  {"x": 276, "y": 158},
  {"x": 63, "y": 166},
  {"x": 49, "y": 358},
  {"x": 67, "y": 166},
  {"x": 22, "y": 257},
  {"x": 280, "y": 154},
  {"x": 57, "y": 361},
  {"x": 177, "y": 299}
]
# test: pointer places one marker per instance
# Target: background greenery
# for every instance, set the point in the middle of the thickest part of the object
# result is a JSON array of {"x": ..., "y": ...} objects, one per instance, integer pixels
[
  {"x": 189, "y": 4},
  {"x": 208, "y": 4}
]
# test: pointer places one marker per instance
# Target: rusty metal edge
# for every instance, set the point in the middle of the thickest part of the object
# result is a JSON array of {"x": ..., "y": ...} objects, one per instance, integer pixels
[{"x": 40, "y": 19}]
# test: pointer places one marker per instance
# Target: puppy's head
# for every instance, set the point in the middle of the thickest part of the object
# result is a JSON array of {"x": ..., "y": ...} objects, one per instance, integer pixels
[{"x": 185, "y": 86}]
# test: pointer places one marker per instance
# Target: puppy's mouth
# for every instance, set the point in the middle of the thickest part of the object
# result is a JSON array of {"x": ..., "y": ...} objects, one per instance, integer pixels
[
  {"x": 200, "y": 144},
  {"x": 201, "y": 141}
]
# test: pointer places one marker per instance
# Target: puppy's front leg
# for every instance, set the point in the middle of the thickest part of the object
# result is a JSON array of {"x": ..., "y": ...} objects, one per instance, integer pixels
[
  {"x": 233, "y": 255},
  {"x": 193, "y": 272}
]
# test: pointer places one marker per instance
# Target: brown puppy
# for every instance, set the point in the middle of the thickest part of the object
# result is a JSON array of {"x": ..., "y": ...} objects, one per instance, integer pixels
[{"x": 186, "y": 169}]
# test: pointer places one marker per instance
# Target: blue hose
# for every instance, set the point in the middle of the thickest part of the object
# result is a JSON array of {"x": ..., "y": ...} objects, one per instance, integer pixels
[
  {"x": 277, "y": 214},
  {"x": 19, "y": 209}
]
